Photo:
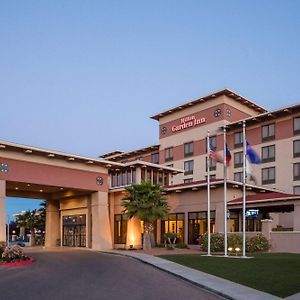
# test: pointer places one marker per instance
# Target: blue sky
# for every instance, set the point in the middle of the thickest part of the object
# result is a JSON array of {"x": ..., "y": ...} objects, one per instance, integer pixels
[{"x": 84, "y": 76}]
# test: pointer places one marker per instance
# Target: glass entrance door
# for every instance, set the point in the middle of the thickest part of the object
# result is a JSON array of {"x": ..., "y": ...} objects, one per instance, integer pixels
[{"x": 74, "y": 231}]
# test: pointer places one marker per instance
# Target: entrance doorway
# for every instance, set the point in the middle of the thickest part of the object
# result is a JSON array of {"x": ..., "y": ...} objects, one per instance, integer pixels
[{"x": 74, "y": 231}]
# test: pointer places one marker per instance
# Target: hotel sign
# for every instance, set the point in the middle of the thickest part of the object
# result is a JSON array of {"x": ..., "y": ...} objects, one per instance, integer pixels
[{"x": 188, "y": 122}]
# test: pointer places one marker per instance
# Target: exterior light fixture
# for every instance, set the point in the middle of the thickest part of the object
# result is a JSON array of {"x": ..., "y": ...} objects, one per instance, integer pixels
[
  {"x": 41, "y": 190},
  {"x": 230, "y": 249},
  {"x": 2, "y": 146},
  {"x": 16, "y": 188},
  {"x": 51, "y": 155},
  {"x": 237, "y": 250},
  {"x": 28, "y": 151}
]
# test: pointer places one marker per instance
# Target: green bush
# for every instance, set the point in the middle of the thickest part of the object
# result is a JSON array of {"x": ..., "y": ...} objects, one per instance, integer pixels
[
  {"x": 2, "y": 247},
  {"x": 257, "y": 243},
  {"x": 13, "y": 253},
  {"x": 216, "y": 242}
]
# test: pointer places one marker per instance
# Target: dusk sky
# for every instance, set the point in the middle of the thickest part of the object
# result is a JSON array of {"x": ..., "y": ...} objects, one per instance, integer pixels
[{"x": 84, "y": 76}]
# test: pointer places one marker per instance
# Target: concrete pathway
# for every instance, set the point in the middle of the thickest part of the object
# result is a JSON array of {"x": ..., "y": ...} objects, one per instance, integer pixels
[{"x": 220, "y": 286}]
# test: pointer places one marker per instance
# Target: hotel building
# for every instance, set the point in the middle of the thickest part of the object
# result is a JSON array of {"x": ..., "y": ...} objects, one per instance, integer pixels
[{"x": 84, "y": 194}]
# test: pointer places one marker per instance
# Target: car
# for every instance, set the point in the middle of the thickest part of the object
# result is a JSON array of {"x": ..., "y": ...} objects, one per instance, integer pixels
[{"x": 21, "y": 244}]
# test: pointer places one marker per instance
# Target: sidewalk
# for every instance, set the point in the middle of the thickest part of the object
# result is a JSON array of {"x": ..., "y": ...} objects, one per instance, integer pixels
[{"x": 220, "y": 286}]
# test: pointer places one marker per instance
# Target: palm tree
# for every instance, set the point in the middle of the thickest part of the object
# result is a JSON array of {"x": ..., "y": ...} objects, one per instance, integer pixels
[
  {"x": 146, "y": 202},
  {"x": 28, "y": 219}
]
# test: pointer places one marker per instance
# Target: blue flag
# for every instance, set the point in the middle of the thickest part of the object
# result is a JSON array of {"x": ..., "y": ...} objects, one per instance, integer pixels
[{"x": 253, "y": 157}]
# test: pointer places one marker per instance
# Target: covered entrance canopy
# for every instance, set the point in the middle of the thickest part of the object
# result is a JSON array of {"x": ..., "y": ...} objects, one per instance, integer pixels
[{"x": 71, "y": 185}]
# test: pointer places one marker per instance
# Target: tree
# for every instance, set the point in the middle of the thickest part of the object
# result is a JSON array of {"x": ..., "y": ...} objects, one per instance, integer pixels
[
  {"x": 146, "y": 202},
  {"x": 29, "y": 219}
]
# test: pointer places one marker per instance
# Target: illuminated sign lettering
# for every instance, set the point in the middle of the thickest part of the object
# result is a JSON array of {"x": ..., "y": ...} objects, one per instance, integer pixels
[
  {"x": 252, "y": 213},
  {"x": 187, "y": 122}
]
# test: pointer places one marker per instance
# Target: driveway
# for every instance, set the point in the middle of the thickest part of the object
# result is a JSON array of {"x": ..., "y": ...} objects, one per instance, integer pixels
[{"x": 85, "y": 275}]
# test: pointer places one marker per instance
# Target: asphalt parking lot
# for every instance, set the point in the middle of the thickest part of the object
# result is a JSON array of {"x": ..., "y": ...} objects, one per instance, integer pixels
[{"x": 81, "y": 274}]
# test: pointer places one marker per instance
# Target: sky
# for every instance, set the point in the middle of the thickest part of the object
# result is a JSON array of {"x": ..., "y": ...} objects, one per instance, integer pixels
[{"x": 85, "y": 76}]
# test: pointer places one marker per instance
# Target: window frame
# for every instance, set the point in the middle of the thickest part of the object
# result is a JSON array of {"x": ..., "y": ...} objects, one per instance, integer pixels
[
  {"x": 190, "y": 146},
  {"x": 169, "y": 150},
  {"x": 268, "y": 159},
  {"x": 298, "y": 153},
  {"x": 296, "y": 131},
  {"x": 268, "y": 137},
  {"x": 240, "y": 143},
  {"x": 296, "y": 177},
  {"x": 188, "y": 172},
  {"x": 239, "y": 164},
  {"x": 156, "y": 154},
  {"x": 268, "y": 181}
]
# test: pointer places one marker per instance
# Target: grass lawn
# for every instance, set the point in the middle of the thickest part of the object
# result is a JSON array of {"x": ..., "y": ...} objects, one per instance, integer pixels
[{"x": 274, "y": 273}]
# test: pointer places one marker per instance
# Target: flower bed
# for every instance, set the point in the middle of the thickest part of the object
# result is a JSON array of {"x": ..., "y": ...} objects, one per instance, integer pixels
[
  {"x": 13, "y": 256},
  {"x": 28, "y": 261}
]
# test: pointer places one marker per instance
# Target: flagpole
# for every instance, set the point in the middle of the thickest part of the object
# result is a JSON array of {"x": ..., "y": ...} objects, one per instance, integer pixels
[
  {"x": 244, "y": 189},
  {"x": 208, "y": 195},
  {"x": 225, "y": 192}
]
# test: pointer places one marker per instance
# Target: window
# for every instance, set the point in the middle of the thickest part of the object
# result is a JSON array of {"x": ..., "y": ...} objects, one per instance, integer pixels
[
  {"x": 238, "y": 159},
  {"x": 212, "y": 142},
  {"x": 238, "y": 176},
  {"x": 268, "y": 175},
  {"x": 238, "y": 139},
  {"x": 212, "y": 163},
  {"x": 296, "y": 148},
  {"x": 188, "y": 167},
  {"x": 297, "y": 171},
  {"x": 297, "y": 125},
  {"x": 169, "y": 154},
  {"x": 297, "y": 190},
  {"x": 155, "y": 158},
  {"x": 268, "y": 132},
  {"x": 213, "y": 176},
  {"x": 173, "y": 223},
  {"x": 188, "y": 149},
  {"x": 187, "y": 180},
  {"x": 268, "y": 153},
  {"x": 120, "y": 229},
  {"x": 198, "y": 225}
]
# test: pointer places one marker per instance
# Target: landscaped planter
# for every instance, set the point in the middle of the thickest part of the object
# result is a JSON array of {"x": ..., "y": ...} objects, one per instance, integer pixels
[{"x": 17, "y": 263}]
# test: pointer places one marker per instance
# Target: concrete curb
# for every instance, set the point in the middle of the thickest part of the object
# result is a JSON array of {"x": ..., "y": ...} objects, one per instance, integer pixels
[{"x": 219, "y": 286}]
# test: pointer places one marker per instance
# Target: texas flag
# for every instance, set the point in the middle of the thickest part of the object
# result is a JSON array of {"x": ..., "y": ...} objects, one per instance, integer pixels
[{"x": 228, "y": 156}]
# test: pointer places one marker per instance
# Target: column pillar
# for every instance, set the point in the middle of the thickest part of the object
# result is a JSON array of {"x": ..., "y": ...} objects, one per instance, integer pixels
[
  {"x": 138, "y": 175},
  {"x": 134, "y": 233},
  {"x": 266, "y": 228},
  {"x": 186, "y": 228},
  {"x": 296, "y": 222},
  {"x": 101, "y": 230},
  {"x": 53, "y": 230},
  {"x": 219, "y": 217},
  {"x": 2, "y": 211}
]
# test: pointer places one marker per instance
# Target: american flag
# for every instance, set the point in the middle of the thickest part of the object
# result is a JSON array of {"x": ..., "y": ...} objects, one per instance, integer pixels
[{"x": 214, "y": 155}]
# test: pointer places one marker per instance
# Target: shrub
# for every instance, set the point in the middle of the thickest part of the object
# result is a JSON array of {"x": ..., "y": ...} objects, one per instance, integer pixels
[
  {"x": 170, "y": 240},
  {"x": 216, "y": 242},
  {"x": 257, "y": 243},
  {"x": 13, "y": 253},
  {"x": 2, "y": 247}
]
